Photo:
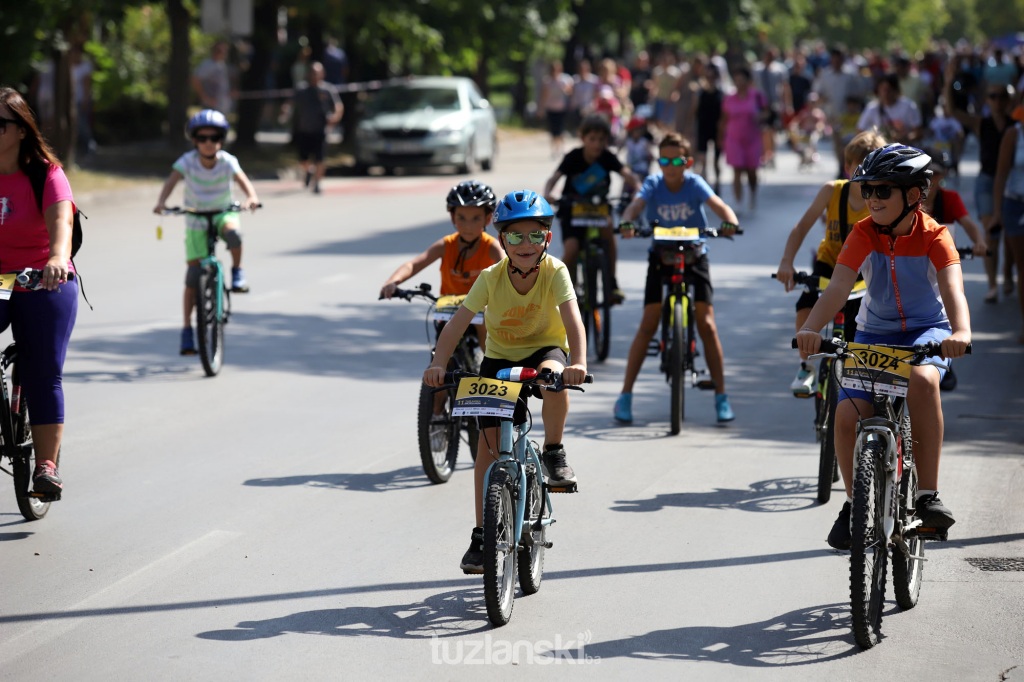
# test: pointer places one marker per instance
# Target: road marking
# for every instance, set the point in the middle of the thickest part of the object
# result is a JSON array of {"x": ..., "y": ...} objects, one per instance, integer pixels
[{"x": 117, "y": 592}]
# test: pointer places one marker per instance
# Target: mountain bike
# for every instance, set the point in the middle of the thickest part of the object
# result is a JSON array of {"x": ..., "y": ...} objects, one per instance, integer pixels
[
  {"x": 593, "y": 277},
  {"x": 826, "y": 384},
  {"x": 517, "y": 504},
  {"x": 439, "y": 436},
  {"x": 213, "y": 295},
  {"x": 15, "y": 427},
  {"x": 674, "y": 248},
  {"x": 884, "y": 482}
]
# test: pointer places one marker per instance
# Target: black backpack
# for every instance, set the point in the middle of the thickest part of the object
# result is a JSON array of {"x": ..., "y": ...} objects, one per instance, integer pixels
[{"x": 38, "y": 181}]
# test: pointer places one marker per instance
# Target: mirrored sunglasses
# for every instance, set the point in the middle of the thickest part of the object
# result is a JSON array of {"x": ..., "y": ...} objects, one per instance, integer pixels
[
  {"x": 883, "y": 192},
  {"x": 678, "y": 161},
  {"x": 537, "y": 237}
]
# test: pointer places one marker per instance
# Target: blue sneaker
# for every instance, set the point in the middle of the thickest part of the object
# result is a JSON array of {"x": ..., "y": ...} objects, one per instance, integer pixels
[
  {"x": 238, "y": 283},
  {"x": 722, "y": 407},
  {"x": 188, "y": 342},
  {"x": 624, "y": 408}
]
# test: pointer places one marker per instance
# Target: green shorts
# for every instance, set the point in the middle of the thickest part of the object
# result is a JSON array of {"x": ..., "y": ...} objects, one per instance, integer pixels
[{"x": 195, "y": 240}]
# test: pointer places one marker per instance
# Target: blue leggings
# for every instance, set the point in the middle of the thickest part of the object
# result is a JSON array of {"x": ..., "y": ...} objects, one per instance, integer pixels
[{"x": 42, "y": 322}]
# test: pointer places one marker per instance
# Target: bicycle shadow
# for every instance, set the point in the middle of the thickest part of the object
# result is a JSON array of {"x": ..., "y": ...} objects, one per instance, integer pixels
[
  {"x": 406, "y": 478},
  {"x": 449, "y": 614},
  {"x": 771, "y": 496},
  {"x": 7, "y": 537},
  {"x": 801, "y": 637}
]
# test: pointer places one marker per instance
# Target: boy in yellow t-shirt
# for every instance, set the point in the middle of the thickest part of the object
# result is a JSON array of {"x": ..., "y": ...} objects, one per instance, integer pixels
[
  {"x": 532, "y": 321},
  {"x": 828, "y": 202}
]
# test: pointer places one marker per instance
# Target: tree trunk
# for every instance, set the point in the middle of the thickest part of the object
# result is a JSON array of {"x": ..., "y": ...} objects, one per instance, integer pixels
[
  {"x": 65, "y": 122},
  {"x": 250, "y": 109},
  {"x": 178, "y": 72}
]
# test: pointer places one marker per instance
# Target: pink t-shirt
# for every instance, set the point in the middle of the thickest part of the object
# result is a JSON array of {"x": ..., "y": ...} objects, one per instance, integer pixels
[{"x": 24, "y": 239}]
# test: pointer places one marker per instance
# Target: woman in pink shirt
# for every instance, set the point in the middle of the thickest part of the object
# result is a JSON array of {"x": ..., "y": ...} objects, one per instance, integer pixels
[{"x": 739, "y": 130}]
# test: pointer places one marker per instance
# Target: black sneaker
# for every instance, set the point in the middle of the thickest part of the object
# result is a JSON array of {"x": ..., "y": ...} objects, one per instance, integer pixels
[
  {"x": 473, "y": 559},
  {"x": 933, "y": 513},
  {"x": 46, "y": 480},
  {"x": 556, "y": 468},
  {"x": 309, "y": 177},
  {"x": 839, "y": 536}
]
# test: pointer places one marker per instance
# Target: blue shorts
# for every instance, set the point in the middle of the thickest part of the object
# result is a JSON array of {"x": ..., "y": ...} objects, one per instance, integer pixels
[
  {"x": 1013, "y": 217},
  {"x": 984, "y": 194},
  {"x": 900, "y": 339}
]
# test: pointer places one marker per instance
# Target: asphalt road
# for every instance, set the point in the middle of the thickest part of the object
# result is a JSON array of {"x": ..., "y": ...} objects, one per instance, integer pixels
[{"x": 273, "y": 523}]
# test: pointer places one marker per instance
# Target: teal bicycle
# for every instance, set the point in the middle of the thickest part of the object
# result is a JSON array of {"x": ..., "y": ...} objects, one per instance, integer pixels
[
  {"x": 213, "y": 295},
  {"x": 517, "y": 504}
]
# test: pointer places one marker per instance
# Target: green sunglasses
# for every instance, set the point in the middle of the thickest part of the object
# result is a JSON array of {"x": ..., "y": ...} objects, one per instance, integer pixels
[
  {"x": 537, "y": 237},
  {"x": 678, "y": 161}
]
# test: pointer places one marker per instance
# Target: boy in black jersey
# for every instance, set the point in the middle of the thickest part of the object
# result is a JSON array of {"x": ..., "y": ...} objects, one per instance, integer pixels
[{"x": 587, "y": 171}]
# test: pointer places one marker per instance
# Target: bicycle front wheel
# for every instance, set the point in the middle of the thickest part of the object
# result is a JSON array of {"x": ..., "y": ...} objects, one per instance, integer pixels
[
  {"x": 438, "y": 436},
  {"x": 209, "y": 322},
  {"x": 23, "y": 464},
  {"x": 599, "y": 292},
  {"x": 825, "y": 424},
  {"x": 907, "y": 568},
  {"x": 534, "y": 536},
  {"x": 499, "y": 549},
  {"x": 868, "y": 546},
  {"x": 676, "y": 356}
]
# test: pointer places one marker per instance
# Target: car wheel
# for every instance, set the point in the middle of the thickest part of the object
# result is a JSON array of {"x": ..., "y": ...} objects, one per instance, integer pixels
[
  {"x": 488, "y": 163},
  {"x": 468, "y": 166}
]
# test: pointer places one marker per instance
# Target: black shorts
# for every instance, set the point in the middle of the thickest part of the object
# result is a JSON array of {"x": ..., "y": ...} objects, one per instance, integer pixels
[
  {"x": 311, "y": 146},
  {"x": 490, "y": 366},
  {"x": 808, "y": 299},
  {"x": 697, "y": 273}
]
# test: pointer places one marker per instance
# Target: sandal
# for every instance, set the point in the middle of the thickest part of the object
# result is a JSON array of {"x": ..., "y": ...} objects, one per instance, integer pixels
[{"x": 992, "y": 296}]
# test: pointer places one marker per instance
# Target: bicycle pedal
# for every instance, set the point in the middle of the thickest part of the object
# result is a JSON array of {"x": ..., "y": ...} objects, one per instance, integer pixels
[
  {"x": 939, "y": 534},
  {"x": 45, "y": 497},
  {"x": 561, "y": 487},
  {"x": 803, "y": 396},
  {"x": 706, "y": 385}
]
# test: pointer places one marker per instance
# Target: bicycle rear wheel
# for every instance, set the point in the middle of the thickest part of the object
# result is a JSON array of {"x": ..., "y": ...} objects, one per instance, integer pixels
[
  {"x": 534, "y": 536},
  {"x": 599, "y": 293},
  {"x": 438, "y": 438},
  {"x": 824, "y": 423},
  {"x": 23, "y": 464},
  {"x": 209, "y": 322},
  {"x": 907, "y": 568},
  {"x": 499, "y": 549},
  {"x": 868, "y": 547},
  {"x": 676, "y": 355}
]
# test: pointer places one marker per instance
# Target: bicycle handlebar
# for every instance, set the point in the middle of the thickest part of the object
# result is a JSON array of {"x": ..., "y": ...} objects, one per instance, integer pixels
[
  {"x": 932, "y": 349},
  {"x": 545, "y": 379},
  {"x": 643, "y": 232},
  {"x": 235, "y": 206},
  {"x": 968, "y": 252},
  {"x": 30, "y": 278},
  {"x": 408, "y": 294}
]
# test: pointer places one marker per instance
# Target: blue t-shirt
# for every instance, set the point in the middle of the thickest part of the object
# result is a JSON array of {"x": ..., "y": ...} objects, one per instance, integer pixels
[{"x": 684, "y": 208}]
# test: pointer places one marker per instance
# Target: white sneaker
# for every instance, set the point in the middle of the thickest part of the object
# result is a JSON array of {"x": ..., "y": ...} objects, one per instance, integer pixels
[{"x": 803, "y": 383}]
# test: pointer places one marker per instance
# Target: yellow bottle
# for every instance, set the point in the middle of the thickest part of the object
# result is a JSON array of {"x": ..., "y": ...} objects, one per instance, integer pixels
[{"x": 159, "y": 232}]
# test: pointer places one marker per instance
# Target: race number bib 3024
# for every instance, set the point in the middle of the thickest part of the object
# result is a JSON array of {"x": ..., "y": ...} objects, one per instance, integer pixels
[
  {"x": 7, "y": 282},
  {"x": 480, "y": 397},
  {"x": 877, "y": 369}
]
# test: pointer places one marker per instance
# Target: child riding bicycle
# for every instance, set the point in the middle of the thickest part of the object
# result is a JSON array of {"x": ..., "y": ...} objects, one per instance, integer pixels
[
  {"x": 532, "y": 321},
  {"x": 840, "y": 214},
  {"x": 676, "y": 197},
  {"x": 208, "y": 171},
  {"x": 587, "y": 171},
  {"x": 915, "y": 295}
]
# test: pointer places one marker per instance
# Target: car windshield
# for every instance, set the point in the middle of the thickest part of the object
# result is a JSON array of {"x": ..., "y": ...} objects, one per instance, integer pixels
[{"x": 398, "y": 99}]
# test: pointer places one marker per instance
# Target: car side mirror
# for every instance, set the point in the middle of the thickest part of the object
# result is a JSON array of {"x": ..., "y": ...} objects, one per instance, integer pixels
[{"x": 483, "y": 104}]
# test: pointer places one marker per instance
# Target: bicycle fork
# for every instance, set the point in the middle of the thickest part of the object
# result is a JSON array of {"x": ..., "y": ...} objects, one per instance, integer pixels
[{"x": 892, "y": 465}]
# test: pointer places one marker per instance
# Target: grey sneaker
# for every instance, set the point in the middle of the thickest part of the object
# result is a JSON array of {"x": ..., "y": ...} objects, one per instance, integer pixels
[
  {"x": 46, "y": 480},
  {"x": 556, "y": 468}
]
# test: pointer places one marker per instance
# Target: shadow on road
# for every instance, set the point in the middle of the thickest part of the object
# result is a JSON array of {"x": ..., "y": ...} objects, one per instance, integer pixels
[
  {"x": 801, "y": 637},
  {"x": 406, "y": 478},
  {"x": 775, "y": 495},
  {"x": 448, "y": 614}
]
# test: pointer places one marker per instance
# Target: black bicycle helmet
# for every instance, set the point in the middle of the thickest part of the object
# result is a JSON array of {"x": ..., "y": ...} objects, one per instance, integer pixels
[
  {"x": 896, "y": 163},
  {"x": 472, "y": 193}
]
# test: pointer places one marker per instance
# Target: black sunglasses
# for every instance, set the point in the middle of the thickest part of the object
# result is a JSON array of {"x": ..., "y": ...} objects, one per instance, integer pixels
[
  {"x": 208, "y": 138},
  {"x": 883, "y": 192},
  {"x": 5, "y": 121}
]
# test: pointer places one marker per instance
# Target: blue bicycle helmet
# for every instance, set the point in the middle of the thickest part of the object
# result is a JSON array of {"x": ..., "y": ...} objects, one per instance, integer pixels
[
  {"x": 207, "y": 118},
  {"x": 523, "y": 204}
]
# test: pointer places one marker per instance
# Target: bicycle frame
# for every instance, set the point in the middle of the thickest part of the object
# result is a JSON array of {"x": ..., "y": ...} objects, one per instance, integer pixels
[{"x": 514, "y": 453}]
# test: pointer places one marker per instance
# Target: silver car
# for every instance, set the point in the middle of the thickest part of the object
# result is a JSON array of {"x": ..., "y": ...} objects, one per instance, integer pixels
[{"x": 427, "y": 121}]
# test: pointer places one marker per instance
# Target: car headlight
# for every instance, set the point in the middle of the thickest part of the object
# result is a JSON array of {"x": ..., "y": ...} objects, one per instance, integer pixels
[{"x": 449, "y": 133}]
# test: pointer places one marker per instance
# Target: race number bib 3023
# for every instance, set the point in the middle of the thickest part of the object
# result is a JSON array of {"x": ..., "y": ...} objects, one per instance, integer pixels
[
  {"x": 677, "y": 233},
  {"x": 446, "y": 306},
  {"x": 7, "y": 282},
  {"x": 479, "y": 397},
  {"x": 877, "y": 369}
]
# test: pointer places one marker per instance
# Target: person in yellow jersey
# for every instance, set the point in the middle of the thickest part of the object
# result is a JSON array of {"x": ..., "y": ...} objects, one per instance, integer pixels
[{"x": 841, "y": 208}]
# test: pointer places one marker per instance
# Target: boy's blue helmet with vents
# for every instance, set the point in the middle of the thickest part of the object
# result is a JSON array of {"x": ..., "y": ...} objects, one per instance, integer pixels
[{"x": 523, "y": 204}]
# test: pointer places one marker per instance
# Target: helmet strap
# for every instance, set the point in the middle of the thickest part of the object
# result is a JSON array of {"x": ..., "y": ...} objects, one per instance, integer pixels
[
  {"x": 535, "y": 268},
  {"x": 907, "y": 210},
  {"x": 464, "y": 249}
]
